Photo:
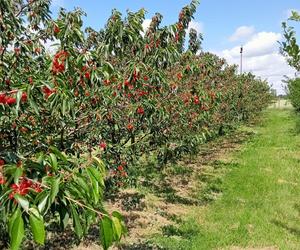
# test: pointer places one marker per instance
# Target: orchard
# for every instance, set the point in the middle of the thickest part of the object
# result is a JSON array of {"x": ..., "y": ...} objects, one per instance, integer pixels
[{"x": 75, "y": 119}]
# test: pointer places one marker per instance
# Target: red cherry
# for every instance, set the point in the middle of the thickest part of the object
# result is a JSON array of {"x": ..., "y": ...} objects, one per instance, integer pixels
[
  {"x": 123, "y": 174},
  {"x": 2, "y": 180},
  {"x": 126, "y": 83},
  {"x": 19, "y": 164},
  {"x": 11, "y": 195},
  {"x": 2, "y": 162},
  {"x": 176, "y": 37},
  {"x": 56, "y": 29},
  {"x": 11, "y": 100},
  {"x": 37, "y": 50},
  {"x": 17, "y": 51},
  {"x": 2, "y": 98},
  {"x": 38, "y": 189},
  {"x": 87, "y": 75},
  {"x": 120, "y": 168},
  {"x": 24, "y": 97},
  {"x": 140, "y": 111},
  {"x": 130, "y": 127},
  {"x": 106, "y": 82},
  {"x": 179, "y": 76},
  {"x": 103, "y": 145}
]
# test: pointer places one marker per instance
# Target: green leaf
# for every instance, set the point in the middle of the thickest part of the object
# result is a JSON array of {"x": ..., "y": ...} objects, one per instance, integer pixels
[
  {"x": 76, "y": 223},
  {"x": 54, "y": 189},
  {"x": 99, "y": 164},
  {"x": 12, "y": 220},
  {"x": 43, "y": 203},
  {"x": 18, "y": 174},
  {"x": 22, "y": 201},
  {"x": 59, "y": 154},
  {"x": 97, "y": 175},
  {"x": 53, "y": 161},
  {"x": 34, "y": 106},
  {"x": 117, "y": 227},
  {"x": 106, "y": 232},
  {"x": 79, "y": 34},
  {"x": 118, "y": 215},
  {"x": 121, "y": 220},
  {"x": 64, "y": 104},
  {"x": 37, "y": 228},
  {"x": 17, "y": 232},
  {"x": 64, "y": 217},
  {"x": 82, "y": 184},
  {"x": 95, "y": 187}
]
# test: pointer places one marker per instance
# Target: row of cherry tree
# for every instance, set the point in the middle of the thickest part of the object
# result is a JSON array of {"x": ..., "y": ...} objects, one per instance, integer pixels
[
  {"x": 291, "y": 50},
  {"x": 87, "y": 110}
]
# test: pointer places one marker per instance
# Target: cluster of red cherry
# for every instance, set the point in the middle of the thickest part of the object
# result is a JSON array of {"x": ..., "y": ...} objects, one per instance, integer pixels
[{"x": 24, "y": 187}]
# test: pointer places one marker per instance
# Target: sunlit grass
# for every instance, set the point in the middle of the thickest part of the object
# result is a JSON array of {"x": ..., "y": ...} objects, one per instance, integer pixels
[{"x": 260, "y": 202}]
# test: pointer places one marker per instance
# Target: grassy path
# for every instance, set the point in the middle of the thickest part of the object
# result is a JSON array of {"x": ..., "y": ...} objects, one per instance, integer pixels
[{"x": 260, "y": 205}]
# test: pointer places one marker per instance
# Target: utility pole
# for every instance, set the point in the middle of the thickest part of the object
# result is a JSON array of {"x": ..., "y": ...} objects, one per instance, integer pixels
[{"x": 241, "y": 64}]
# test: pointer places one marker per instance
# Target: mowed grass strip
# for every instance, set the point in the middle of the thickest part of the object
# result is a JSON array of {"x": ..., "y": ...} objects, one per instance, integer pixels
[{"x": 260, "y": 203}]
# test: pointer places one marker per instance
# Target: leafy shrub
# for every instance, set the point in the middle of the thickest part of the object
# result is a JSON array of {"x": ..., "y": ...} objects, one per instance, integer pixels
[
  {"x": 293, "y": 86},
  {"x": 290, "y": 49}
]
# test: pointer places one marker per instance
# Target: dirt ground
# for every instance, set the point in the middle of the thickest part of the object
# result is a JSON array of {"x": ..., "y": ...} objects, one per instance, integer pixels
[{"x": 167, "y": 200}]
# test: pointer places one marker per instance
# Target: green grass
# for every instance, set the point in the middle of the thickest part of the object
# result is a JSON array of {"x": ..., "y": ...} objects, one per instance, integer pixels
[{"x": 260, "y": 201}]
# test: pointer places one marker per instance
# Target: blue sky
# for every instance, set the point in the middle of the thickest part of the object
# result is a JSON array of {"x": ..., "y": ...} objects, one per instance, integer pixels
[{"x": 225, "y": 24}]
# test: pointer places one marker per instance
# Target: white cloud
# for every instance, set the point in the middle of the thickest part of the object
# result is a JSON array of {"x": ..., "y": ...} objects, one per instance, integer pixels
[
  {"x": 242, "y": 33},
  {"x": 198, "y": 26},
  {"x": 146, "y": 24},
  {"x": 260, "y": 44},
  {"x": 262, "y": 57}
]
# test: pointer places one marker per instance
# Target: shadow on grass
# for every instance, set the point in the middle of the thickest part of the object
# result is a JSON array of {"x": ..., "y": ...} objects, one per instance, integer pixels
[
  {"x": 211, "y": 189},
  {"x": 296, "y": 130},
  {"x": 129, "y": 201},
  {"x": 141, "y": 246},
  {"x": 286, "y": 225},
  {"x": 166, "y": 182},
  {"x": 290, "y": 229},
  {"x": 169, "y": 194},
  {"x": 186, "y": 233}
]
